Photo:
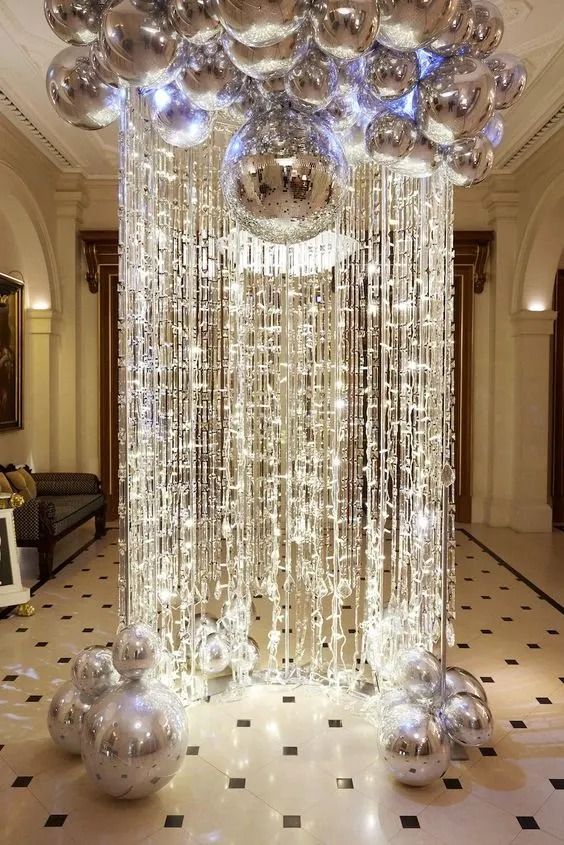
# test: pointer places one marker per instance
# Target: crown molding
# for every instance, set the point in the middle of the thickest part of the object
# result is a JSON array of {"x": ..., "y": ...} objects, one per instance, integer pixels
[{"x": 31, "y": 131}]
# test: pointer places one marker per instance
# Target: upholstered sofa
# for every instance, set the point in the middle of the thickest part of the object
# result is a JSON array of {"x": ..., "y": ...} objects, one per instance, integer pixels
[{"x": 64, "y": 501}]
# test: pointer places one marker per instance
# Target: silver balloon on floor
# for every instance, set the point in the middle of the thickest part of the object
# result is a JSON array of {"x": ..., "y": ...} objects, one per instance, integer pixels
[
  {"x": 414, "y": 745},
  {"x": 93, "y": 671},
  {"x": 134, "y": 737},
  {"x": 467, "y": 719},
  {"x": 65, "y": 717},
  {"x": 418, "y": 672}
]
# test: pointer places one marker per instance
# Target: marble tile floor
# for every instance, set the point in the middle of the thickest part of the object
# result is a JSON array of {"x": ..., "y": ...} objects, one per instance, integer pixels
[{"x": 288, "y": 764}]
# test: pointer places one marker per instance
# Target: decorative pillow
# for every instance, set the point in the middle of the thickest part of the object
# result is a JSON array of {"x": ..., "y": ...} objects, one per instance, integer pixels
[
  {"x": 19, "y": 483},
  {"x": 5, "y": 486},
  {"x": 29, "y": 481}
]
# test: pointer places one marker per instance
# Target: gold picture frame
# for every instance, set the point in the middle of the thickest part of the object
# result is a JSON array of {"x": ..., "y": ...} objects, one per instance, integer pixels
[{"x": 11, "y": 355}]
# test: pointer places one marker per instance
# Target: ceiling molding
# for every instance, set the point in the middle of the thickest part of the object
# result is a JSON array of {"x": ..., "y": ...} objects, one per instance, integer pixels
[
  {"x": 16, "y": 115},
  {"x": 536, "y": 140}
]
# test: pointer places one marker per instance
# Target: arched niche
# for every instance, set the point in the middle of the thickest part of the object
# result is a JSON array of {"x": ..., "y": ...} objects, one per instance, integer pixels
[
  {"x": 541, "y": 251},
  {"x": 26, "y": 245}
]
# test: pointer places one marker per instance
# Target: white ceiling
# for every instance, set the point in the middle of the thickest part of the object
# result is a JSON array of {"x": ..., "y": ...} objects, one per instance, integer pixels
[{"x": 534, "y": 30}]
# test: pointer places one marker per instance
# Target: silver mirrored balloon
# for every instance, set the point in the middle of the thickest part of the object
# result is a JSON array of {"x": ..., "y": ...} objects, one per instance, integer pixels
[
  {"x": 210, "y": 79},
  {"x": 136, "y": 650},
  {"x": 65, "y": 717},
  {"x": 350, "y": 77},
  {"x": 312, "y": 83},
  {"x": 101, "y": 67},
  {"x": 354, "y": 145},
  {"x": 134, "y": 739},
  {"x": 345, "y": 31},
  {"x": 196, "y": 20},
  {"x": 93, "y": 671},
  {"x": 409, "y": 24},
  {"x": 78, "y": 95},
  {"x": 421, "y": 162},
  {"x": 257, "y": 23},
  {"x": 248, "y": 101},
  {"x": 414, "y": 745},
  {"x": 245, "y": 656},
  {"x": 469, "y": 161},
  {"x": 510, "y": 76},
  {"x": 494, "y": 130},
  {"x": 417, "y": 671},
  {"x": 214, "y": 654},
  {"x": 488, "y": 29},
  {"x": 460, "y": 680},
  {"x": 467, "y": 719},
  {"x": 389, "y": 74},
  {"x": 456, "y": 39},
  {"x": 457, "y": 100},
  {"x": 138, "y": 42},
  {"x": 342, "y": 113},
  {"x": 74, "y": 21},
  {"x": 390, "y": 137},
  {"x": 273, "y": 60},
  {"x": 284, "y": 176},
  {"x": 177, "y": 120}
]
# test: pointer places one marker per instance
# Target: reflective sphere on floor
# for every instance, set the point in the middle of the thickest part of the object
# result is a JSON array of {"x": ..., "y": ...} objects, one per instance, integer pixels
[
  {"x": 467, "y": 719},
  {"x": 93, "y": 671},
  {"x": 414, "y": 745},
  {"x": 460, "y": 680},
  {"x": 418, "y": 672},
  {"x": 284, "y": 176},
  {"x": 215, "y": 654},
  {"x": 65, "y": 717},
  {"x": 134, "y": 739},
  {"x": 136, "y": 650}
]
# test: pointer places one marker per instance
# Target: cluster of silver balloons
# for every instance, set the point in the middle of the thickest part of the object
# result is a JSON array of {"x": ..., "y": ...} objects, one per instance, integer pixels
[
  {"x": 407, "y": 84},
  {"x": 216, "y": 646},
  {"x": 423, "y": 713},
  {"x": 130, "y": 729}
]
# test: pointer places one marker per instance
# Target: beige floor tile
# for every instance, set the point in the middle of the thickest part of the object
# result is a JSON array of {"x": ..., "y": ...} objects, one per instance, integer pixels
[
  {"x": 458, "y": 817},
  {"x": 551, "y": 815},
  {"x": 351, "y": 817}
]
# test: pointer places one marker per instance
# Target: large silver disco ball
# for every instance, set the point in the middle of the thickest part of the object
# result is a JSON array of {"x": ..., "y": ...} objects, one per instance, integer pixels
[
  {"x": 414, "y": 745},
  {"x": 78, "y": 95},
  {"x": 134, "y": 739},
  {"x": 284, "y": 176},
  {"x": 138, "y": 42}
]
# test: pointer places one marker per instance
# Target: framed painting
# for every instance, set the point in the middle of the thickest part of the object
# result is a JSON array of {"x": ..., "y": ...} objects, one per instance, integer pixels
[{"x": 11, "y": 358}]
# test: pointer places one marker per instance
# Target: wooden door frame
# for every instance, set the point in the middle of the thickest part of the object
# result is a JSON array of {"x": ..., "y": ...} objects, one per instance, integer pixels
[
  {"x": 101, "y": 250},
  {"x": 557, "y": 400},
  {"x": 471, "y": 253}
]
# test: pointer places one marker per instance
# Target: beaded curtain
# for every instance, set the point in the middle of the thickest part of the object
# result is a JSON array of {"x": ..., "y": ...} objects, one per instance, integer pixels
[{"x": 285, "y": 416}]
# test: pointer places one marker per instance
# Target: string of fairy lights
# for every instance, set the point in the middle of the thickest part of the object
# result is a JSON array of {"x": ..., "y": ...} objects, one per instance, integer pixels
[{"x": 285, "y": 415}]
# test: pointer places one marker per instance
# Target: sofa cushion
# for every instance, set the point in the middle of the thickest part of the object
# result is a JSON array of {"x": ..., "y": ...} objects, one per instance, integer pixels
[
  {"x": 72, "y": 509},
  {"x": 19, "y": 478},
  {"x": 5, "y": 486}
]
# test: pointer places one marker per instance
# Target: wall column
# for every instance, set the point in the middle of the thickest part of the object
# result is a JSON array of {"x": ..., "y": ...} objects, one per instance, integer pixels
[
  {"x": 503, "y": 206},
  {"x": 532, "y": 332},
  {"x": 69, "y": 207},
  {"x": 42, "y": 327}
]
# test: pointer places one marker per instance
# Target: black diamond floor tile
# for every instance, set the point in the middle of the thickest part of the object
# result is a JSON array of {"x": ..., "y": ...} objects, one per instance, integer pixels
[
  {"x": 345, "y": 783},
  {"x": 409, "y": 822},
  {"x": 292, "y": 821},
  {"x": 55, "y": 820},
  {"x": 174, "y": 821},
  {"x": 237, "y": 783},
  {"x": 528, "y": 822},
  {"x": 22, "y": 780}
]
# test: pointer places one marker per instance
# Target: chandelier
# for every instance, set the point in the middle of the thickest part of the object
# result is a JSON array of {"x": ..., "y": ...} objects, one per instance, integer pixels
[{"x": 286, "y": 319}]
